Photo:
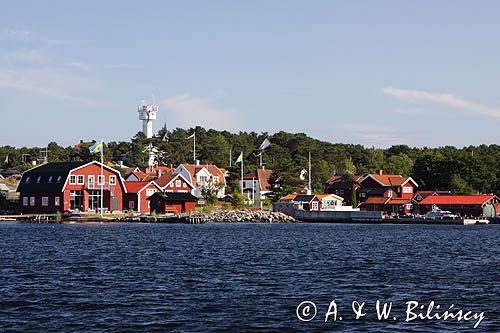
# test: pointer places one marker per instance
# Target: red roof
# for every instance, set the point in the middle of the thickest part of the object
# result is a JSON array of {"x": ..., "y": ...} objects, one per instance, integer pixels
[
  {"x": 376, "y": 200},
  {"x": 193, "y": 169},
  {"x": 263, "y": 176},
  {"x": 478, "y": 199},
  {"x": 134, "y": 187}
]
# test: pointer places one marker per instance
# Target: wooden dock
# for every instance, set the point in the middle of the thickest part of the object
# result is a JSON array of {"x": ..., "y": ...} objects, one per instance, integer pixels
[{"x": 40, "y": 218}]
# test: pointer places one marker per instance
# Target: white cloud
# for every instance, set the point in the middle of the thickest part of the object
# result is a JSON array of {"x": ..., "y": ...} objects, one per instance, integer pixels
[
  {"x": 188, "y": 111},
  {"x": 44, "y": 82},
  {"x": 373, "y": 135},
  {"x": 444, "y": 99},
  {"x": 89, "y": 66},
  {"x": 409, "y": 111}
]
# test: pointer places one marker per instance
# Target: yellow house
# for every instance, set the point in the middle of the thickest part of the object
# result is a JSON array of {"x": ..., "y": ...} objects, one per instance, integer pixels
[{"x": 330, "y": 201}]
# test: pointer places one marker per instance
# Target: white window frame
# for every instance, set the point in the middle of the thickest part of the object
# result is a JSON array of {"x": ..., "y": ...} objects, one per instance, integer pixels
[
  {"x": 80, "y": 179},
  {"x": 178, "y": 183},
  {"x": 32, "y": 201},
  {"x": 25, "y": 201},
  {"x": 131, "y": 204},
  {"x": 362, "y": 195},
  {"x": 389, "y": 194},
  {"x": 72, "y": 179},
  {"x": 57, "y": 201},
  {"x": 150, "y": 192},
  {"x": 112, "y": 180},
  {"x": 184, "y": 184},
  {"x": 45, "y": 201},
  {"x": 91, "y": 179},
  {"x": 101, "y": 179},
  {"x": 407, "y": 189},
  {"x": 409, "y": 206},
  {"x": 315, "y": 205}
]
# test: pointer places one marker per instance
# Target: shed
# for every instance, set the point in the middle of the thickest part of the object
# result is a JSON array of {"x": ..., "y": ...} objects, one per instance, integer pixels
[{"x": 172, "y": 202}]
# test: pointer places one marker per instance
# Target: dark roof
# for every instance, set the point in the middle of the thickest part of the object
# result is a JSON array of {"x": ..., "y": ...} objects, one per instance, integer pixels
[
  {"x": 181, "y": 196},
  {"x": 304, "y": 198},
  {"x": 373, "y": 191},
  {"x": 343, "y": 185},
  {"x": 39, "y": 177}
]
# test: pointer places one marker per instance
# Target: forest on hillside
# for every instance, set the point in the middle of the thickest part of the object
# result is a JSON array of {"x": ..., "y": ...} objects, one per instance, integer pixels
[{"x": 464, "y": 170}]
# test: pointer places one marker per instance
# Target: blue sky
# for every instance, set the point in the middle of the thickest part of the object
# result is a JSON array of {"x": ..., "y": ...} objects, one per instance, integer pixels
[{"x": 378, "y": 73}]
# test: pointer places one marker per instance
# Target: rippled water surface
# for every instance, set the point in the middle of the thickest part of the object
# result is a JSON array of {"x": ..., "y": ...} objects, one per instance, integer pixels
[{"x": 241, "y": 277}]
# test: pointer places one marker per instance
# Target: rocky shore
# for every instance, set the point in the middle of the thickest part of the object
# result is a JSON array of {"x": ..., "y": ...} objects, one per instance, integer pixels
[{"x": 254, "y": 216}]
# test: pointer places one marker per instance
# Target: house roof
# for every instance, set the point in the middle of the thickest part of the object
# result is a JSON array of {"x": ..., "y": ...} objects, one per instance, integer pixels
[
  {"x": 341, "y": 185},
  {"x": 165, "y": 179},
  {"x": 398, "y": 201},
  {"x": 390, "y": 180},
  {"x": 326, "y": 195},
  {"x": 288, "y": 197},
  {"x": 134, "y": 187},
  {"x": 376, "y": 201},
  {"x": 304, "y": 197},
  {"x": 193, "y": 169},
  {"x": 373, "y": 191},
  {"x": 45, "y": 171},
  {"x": 262, "y": 175},
  {"x": 181, "y": 196},
  {"x": 478, "y": 199}
]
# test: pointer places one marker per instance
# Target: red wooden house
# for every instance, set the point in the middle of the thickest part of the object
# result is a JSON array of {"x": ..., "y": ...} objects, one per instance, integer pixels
[
  {"x": 174, "y": 183},
  {"x": 172, "y": 202},
  {"x": 70, "y": 186},
  {"x": 390, "y": 193},
  {"x": 137, "y": 193}
]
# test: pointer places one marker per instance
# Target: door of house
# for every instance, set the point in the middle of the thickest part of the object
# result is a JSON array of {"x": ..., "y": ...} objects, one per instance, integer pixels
[{"x": 114, "y": 203}]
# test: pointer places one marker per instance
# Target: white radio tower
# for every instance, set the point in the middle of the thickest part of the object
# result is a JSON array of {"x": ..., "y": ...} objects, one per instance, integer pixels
[{"x": 147, "y": 113}]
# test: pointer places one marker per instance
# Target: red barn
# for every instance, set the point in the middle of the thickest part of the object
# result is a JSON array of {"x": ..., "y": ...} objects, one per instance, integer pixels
[
  {"x": 137, "y": 193},
  {"x": 172, "y": 202},
  {"x": 70, "y": 186}
]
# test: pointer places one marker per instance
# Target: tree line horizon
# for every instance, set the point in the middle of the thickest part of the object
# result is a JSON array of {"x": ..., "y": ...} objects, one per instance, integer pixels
[{"x": 466, "y": 170}]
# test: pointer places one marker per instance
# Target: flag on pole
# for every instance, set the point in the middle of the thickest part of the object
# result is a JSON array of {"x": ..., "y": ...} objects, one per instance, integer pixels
[
  {"x": 95, "y": 148},
  {"x": 265, "y": 144},
  {"x": 6, "y": 159},
  {"x": 303, "y": 174},
  {"x": 191, "y": 136},
  {"x": 239, "y": 159}
]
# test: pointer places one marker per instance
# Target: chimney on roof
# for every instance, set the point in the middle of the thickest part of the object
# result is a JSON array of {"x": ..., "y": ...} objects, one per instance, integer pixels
[
  {"x": 197, "y": 162},
  {"x": 381, "y": 172},
  {"x": 158, "y": 173},
  {"x": 81, "y": 141}
]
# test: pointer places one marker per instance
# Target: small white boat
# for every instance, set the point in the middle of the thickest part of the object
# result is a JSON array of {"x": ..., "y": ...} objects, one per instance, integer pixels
[{"x": 437, "y": 213}]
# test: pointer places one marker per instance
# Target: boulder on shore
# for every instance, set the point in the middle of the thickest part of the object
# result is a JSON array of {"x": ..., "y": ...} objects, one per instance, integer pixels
[{"x": 255, "y": 216}]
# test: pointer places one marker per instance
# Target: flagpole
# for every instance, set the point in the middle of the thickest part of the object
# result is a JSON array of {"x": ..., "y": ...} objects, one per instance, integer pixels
[
  {"x": 309, "y": 173},
  {"x": 241, "y": 173},
  {"x": 194, "y": 147},
  {"x": 230, "y": 156},
  {"x": 102, "y": 176}
]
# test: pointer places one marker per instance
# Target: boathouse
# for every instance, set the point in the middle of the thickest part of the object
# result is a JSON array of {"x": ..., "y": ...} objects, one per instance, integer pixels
[
  {"x": 137, "y": 193},
  {"x": 70, "y": 187},
  {"x": 172, "y": 202},
  {"x": 486, "y": 205}
]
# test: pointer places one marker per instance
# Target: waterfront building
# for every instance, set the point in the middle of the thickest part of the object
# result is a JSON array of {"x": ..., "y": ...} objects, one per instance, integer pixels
[
  {"x": 70, "y": 186},
  {"x": 137, "y": 193},
  {"x": 487, "y": 205},
  {"x": 172, "y": 202}
]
